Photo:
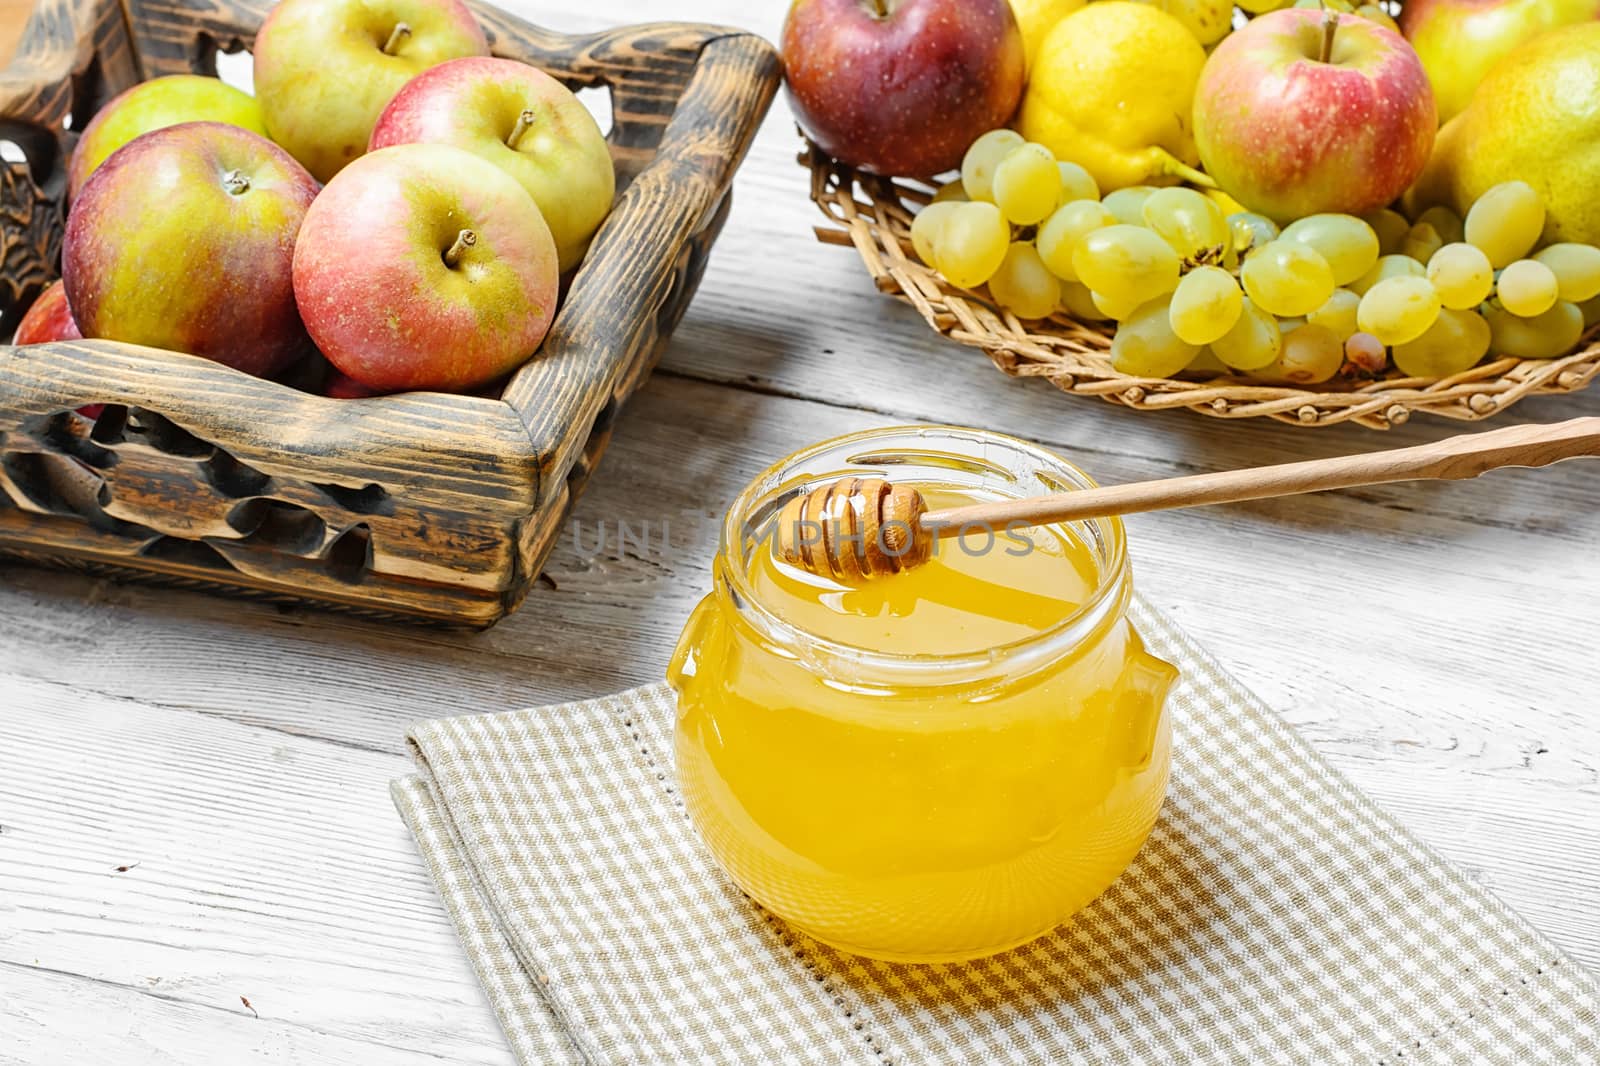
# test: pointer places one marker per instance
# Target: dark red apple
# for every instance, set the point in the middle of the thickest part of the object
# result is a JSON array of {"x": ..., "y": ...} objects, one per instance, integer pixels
[{"x": 902, "y": 86}]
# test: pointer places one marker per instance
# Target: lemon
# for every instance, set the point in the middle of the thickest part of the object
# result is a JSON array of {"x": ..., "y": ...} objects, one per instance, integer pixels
[
  {"x": 1112, "y": 89},
  {"x": 1038, "y": 17},
  {"x": 1535, "y": 118}
]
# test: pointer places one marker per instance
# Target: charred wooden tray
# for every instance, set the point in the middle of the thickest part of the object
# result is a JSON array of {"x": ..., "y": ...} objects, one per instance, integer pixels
[{"x": 423, "y": 505}]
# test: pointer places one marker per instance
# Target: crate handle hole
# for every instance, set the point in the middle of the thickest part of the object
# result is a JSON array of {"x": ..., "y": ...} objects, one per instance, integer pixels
[
  {"x": 349, "y": 557},
  {"x": 164, "y": 435},
  {"x": 370, "y": 498},
  {"x": 236, "y": 68},
  {"x": 235, "y": 479},
  {"x": 70, "y": 433},
  {"x": 227, "y": 58},
  {"x": 597, "y": 98},
  {"x": 288, "y": 527},
  {"x": 52, "y": 484},
  {"x": 29, "y": 148},
  {"x": 246, "y": 516},
  {"x": 186, "y": 552},
  {"x": 110, "y": 425}
]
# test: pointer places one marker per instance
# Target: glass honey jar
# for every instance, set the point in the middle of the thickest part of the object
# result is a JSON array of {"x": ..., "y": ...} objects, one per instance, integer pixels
[{"x": 940, "y": 763}]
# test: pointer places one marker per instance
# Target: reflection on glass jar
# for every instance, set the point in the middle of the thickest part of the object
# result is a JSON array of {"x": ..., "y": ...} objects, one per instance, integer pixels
[{"x": 935, "y": 765}]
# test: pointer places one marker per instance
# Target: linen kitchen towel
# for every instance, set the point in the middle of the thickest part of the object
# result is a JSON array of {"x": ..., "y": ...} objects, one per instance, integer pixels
[{"x": 1276, "y": 915}]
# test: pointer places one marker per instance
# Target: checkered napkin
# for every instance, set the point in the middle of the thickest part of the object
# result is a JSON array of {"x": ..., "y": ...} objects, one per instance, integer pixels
[{"x": 1275, "y": 916}]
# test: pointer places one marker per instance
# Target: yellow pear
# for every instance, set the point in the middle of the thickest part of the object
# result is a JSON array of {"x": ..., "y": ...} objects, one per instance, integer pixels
[
  {"x": 1535, "y": 118},
  {"x": 1112, "y": 89},
  {"x": 1460, "y": 41}
]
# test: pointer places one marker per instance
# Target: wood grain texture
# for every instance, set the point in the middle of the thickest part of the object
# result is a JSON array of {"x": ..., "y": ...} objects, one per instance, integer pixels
[
  {"x": 1434, "y": 642},
  {"x": 434, "y": 507},
  {"x": 298, "y": 913},
  {"x": 1438, "y": 703},
  {"x": 13, "y": 16},
  {"x": 134, "y": 1026}
]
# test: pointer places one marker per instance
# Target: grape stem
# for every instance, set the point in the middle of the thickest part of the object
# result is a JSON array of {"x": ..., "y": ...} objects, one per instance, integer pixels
[{"x": 1330, "y": 26}]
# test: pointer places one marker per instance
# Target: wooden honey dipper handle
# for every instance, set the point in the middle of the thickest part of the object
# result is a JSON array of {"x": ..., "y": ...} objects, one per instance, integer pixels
[{"x": 856, "y": 550}]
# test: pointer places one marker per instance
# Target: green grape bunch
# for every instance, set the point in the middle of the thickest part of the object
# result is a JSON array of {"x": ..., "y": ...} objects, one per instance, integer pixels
[{"x": 1194, "y": 289}]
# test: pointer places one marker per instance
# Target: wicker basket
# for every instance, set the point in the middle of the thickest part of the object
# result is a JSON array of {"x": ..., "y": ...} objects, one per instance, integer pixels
[
  {"x": 424, "y": 505},
  {"x": 874, "y": 215}
]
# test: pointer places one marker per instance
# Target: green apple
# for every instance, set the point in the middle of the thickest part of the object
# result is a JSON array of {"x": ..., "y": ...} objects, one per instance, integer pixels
[
  {"x": 184, "y": 239},
  {"x": 152, "y": 105},
  {"x": 325, "y": 69},
  {"x": 523, "y": 121},
  {"x": 1460, "y": 41}
]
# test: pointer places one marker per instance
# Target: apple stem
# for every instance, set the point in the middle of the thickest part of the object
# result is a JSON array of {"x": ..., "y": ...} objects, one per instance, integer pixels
[
  {"x": 524, "y": 123},
  {"x": 464, "y": 240},
  {"x": 880, "y": 9},
  {"x": 1330, "y": 26},
  {"x": 236, "y": 183},
  {"x": 400, "y": 32}
]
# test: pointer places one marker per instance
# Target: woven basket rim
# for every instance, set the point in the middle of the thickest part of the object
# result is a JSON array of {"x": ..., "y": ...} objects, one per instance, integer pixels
[{"x": 873, "y": 214}]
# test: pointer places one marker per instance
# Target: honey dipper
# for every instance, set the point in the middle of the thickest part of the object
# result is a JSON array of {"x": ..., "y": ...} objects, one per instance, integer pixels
[{"x": 857, "y": 528}]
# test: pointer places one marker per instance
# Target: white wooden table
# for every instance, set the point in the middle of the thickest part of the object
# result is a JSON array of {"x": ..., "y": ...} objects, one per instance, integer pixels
[{"x": 193, "y": 811}]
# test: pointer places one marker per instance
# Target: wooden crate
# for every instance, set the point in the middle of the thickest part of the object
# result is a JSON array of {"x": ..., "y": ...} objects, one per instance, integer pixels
[{"x": 423, "y": 505}]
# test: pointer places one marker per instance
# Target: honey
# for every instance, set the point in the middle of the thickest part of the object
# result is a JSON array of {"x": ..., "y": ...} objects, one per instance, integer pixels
[{"x": 937, "y": 764}]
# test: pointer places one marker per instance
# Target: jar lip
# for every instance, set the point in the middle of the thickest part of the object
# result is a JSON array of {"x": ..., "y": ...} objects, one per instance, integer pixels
[{"x": 1043, "y": 645}]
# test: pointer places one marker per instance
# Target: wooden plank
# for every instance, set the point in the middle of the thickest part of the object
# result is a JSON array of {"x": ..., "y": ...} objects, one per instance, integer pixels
[
  {"x": 1458, "y": 683},
  {"x": 1364, "y": 542},
  {"x": 187, "y": 860},
  {"x": 1436, "y": 645},
  {"x": 13, "y": 16},
  {"x": 54, "y": 1019}
]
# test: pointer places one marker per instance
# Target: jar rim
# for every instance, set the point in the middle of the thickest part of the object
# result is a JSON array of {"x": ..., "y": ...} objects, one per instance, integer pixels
[{"x": 766, "y": 493}]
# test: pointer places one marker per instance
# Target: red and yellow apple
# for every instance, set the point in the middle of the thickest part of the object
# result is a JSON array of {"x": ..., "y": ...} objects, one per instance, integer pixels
[
  {"x": 326, "y": 69},
  {"x": 153, "y": 105},
  {"x": 902, "y": 86},
  {"x": 1303, "y": 112},
  {"x": 1460, "y": 41},
  {"x": 49, "y": 319},
  {"x": 523, "y": 121},
  {"x": 423, "y": 266},
  {"x": 184, "y": 239}
]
